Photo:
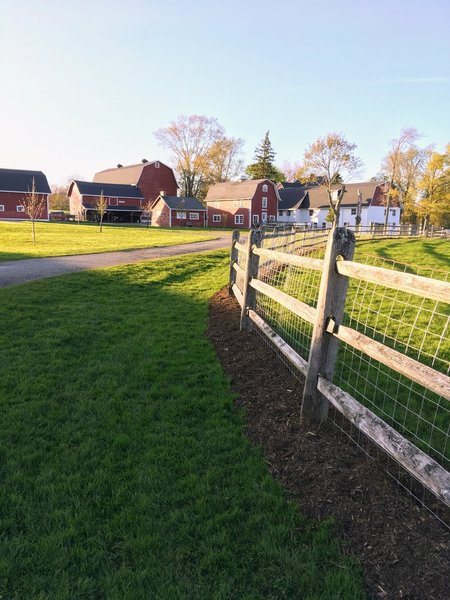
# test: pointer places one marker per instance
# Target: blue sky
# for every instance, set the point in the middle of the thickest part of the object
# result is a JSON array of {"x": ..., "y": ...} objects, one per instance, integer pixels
[{"x": 84, "y": 84}]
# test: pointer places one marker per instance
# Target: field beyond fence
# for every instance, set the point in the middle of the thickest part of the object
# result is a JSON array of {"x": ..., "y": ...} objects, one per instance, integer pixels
[{"x": 371, "y": 339}]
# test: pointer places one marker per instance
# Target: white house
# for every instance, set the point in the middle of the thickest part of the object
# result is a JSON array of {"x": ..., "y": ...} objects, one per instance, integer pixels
[{"x": 366, "y": 200}]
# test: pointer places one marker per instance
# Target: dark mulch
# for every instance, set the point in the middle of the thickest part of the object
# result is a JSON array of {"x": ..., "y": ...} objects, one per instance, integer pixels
[{"x": 403, "y": 549}]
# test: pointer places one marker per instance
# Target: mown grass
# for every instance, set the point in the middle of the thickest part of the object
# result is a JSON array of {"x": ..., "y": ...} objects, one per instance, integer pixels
[
  {"x": 429, "y": 253},
  {"x": 124, "y": 470},
  {"x": 63, "y": 239}
]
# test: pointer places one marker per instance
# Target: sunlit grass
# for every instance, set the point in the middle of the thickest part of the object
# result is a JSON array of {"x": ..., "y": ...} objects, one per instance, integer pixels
[
  {"x": 125, "y": 473},
  {"x": 63, "y": 239}
]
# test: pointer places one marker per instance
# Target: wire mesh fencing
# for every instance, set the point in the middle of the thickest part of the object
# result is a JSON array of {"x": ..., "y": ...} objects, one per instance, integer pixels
[{"x": 412, "y": 325}]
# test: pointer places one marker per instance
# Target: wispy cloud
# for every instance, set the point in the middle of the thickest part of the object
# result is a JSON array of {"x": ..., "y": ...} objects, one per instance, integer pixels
[{"x": 403, "y": 80}]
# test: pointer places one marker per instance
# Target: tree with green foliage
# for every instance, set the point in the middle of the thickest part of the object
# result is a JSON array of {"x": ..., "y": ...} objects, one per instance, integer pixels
[
  {"x": 58, "y": 199},
  {"x": 34, "y": 206},
  {"x": 263, "y": 167},
  {"x": 434, "y": 205},
  {"x": 101, "y": 206},
  {"x": 332, "y": 160},
  {"x": 403, "y": 166}
]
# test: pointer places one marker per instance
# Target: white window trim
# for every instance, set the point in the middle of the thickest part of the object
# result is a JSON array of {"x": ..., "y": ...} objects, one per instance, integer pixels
[
  {"x": 217, "y": 218},
  {"x": 194, "y": 216},
  {"x": 271, "y": 218},
  {"x": 265, "y": 187},
  {"x": 20, "y": 208},
  {"x": 255, "y": 219},
  {"x": 156, "y": 164},
  {"x": 2, "y": 208},
  {"x": 264, "y": 202},
  {"x": 181, "y": 214},
  {"x": 238, "y": 219},
  {"x": 264, "y": 217}
]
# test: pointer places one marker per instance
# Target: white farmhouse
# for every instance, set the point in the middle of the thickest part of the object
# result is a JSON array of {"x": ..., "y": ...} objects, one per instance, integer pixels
[{"x": 366, "y": 200}]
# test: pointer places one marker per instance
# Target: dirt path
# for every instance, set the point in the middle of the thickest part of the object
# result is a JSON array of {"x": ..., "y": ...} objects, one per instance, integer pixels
[{"x": 22, "y": 271}]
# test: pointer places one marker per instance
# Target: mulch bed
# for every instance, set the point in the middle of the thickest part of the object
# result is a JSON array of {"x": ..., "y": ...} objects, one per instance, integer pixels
[{"x": 403, "y": 549}]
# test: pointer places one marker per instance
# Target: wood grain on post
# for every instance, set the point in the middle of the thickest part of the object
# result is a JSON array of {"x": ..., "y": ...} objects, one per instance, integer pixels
[
  {"x": 251, "y": 270},
  {"x": 233, "y": 260},
  {"x": 330, "y": 304}
]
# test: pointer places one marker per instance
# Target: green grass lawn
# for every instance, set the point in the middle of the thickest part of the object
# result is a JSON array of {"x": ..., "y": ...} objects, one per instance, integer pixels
[
  {"x": 62, "y": 239},
  {"x": 428, "y": 253},
  {"x": 125, "y": 473}
]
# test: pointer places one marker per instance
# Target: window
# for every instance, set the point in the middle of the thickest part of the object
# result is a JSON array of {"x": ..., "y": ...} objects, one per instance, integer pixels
[
  {"x": 311, "y": 212},
  {"x": 238, "y": 219},
  {"x": 255, "y": 219},
  {"x": 156, "y": 165},
  {"x": 194, "y": 216},
  {"x": 272, "y": 218},
  {"x": 353, "y": 211},
  {"x": 280, "y": 213},
  {"x": 217, "y": 218},
  {"x": 264, "y": 217},
  {"x": 2, "y": 207},
  {"x": 20, "y": 208},
  {"x": 393, "y": 212},
  {"x": 289, "y": 213},
  {"x": 265, "y": 188},
  {"x": 181, "y": 214},
  {"x": 264, "y": 202}
]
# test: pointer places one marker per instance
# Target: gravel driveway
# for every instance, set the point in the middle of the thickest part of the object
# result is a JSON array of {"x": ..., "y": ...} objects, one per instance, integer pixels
[{"x": 22, "y": 271}]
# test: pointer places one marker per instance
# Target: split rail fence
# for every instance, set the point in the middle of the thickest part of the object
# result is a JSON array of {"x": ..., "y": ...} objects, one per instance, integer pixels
[{"x": 370, "y": 341}]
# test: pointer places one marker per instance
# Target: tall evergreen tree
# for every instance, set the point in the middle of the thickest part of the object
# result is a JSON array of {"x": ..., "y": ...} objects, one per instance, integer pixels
[{"x": 263, "y": 167}]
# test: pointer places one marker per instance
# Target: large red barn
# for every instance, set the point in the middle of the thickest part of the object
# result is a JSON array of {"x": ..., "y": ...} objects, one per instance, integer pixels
[
  {"x": 242, "y": 204},
  {"x": 15, "y": 185}
]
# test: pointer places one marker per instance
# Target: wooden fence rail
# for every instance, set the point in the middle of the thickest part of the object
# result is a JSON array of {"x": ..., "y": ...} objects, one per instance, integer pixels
[{"x": 336, "y": 268}]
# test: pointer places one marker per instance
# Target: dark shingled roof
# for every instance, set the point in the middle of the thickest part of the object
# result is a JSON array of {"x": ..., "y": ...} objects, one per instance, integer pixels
[
  {"x": 182, "y": 203},
  {"x": 115, "y": 190},
  {"x": 292, "y": 198},
  {"x": 235, "y": 190},
  {"x": 370, "y": 190},
  {"x": 17, "y": 180}
]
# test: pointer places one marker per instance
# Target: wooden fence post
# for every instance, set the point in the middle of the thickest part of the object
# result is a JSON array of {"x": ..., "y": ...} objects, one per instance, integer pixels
[
  {"x": 251, "y": 270},
  {"x": 233, "y": 259},
  {"x": 330, "y": 304}
]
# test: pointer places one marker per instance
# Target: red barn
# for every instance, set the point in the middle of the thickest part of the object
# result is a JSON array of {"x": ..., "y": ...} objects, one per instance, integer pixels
[
  {"x": 123, "y": 202},
  {"x": 242, "y": 204},
  {"x": 15, "y": 185},
  {"x": 177, "y": 211},
  {"x": 150, "y": 177}
]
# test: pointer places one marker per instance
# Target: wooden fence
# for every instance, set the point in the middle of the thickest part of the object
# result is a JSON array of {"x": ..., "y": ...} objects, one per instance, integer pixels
[
  {"x": 378, "y": 230},
  {"x": 326, "y": 319}
]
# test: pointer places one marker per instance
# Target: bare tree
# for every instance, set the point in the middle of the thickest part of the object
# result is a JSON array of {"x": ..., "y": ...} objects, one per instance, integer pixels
[
  {"x": 34, "y": 205},
  {"x": 101, "y": 206},
  {"x": 147, "y": 210},
  {"x": 394, "y": 160},
  {"x": 332, "y": 159},
  {"x": 290, "y": 170},
  {"x": 224, "y": 159},
  {"x": 201, "y": 152}
]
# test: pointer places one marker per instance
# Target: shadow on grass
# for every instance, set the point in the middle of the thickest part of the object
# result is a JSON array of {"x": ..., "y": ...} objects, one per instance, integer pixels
[{"x": 124, "y": 469}]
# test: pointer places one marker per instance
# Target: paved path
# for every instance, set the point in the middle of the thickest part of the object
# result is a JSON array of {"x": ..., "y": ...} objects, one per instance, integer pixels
[{"x": 21, "y": 271}]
